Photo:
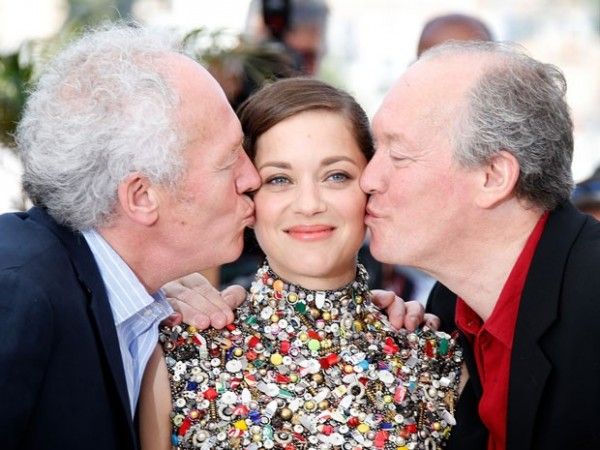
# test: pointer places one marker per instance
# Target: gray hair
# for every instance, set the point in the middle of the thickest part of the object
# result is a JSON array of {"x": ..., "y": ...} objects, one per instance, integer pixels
[
  {"x": 518, "y": 105},
  {"x": 101, "y": 110}
]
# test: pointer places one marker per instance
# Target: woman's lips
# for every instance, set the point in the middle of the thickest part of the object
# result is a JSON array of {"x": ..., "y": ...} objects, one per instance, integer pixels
[{"x": 310, "y": 232}]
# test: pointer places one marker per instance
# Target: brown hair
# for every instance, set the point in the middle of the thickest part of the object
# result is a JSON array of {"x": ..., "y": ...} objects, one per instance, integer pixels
[{"x": 288, "y": 97}]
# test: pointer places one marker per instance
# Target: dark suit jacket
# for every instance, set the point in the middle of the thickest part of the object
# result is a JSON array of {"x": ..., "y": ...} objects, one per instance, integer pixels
[
  {"x": 62, "y": 384},
  {"x": 554, "y": 385}
]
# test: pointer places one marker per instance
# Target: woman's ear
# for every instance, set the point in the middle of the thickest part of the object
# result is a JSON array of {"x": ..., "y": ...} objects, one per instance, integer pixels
[
  {"x": 499, "y": 177},
  {"x": 139, "y": 199}
]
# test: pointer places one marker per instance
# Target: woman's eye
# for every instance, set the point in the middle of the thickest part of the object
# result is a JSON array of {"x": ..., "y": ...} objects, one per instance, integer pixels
[
  {"x": 277, "y": 180},
  {"x": 338, "y": 177}
]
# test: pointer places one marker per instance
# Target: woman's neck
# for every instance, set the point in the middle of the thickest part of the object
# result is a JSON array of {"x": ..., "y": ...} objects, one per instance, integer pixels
[{"x": 320, "y": 282}]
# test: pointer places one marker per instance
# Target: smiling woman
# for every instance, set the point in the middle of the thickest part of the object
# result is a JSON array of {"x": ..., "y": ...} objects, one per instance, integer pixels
[{"x": 309, "y": 362}]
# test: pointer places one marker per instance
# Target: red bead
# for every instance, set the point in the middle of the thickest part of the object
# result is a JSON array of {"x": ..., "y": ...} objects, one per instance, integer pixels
[
  {"x": 353, "y": 422},
  {"x": 327, "y": 430},
  {"x": 390, "y": 347},
  {"x": 429, "y": 348},
  {"x": 284, "y": 347},
  {"x": 282, "y": 379},
  {"x": 380, "y": 439},
  {"x": 210, "y": 394},
  {"x": 185, "y": 426},
  {"x": 411, "y": 428},
  {"x": 314, "y": 335},
  {"x": 253, "y": 341}
]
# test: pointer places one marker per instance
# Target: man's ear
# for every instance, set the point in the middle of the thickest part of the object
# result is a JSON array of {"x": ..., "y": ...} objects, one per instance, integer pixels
[
  {"x": 498, "y": 179},
  {"x": 139, "y": 199}
]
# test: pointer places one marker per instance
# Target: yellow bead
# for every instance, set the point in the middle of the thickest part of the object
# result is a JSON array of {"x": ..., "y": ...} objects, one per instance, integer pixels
[
  {"x": 292, "y": 297},
  {"x": 387, "y": 398},
  {"x": 348, "y": 369},
  {"x": 326, "y": 315},
  {"x": 303, "y": 336},
  {"x": 318, "y": 378},
  {"x": 363, "y": 428},
  {"x": 278, "y": 285},
  {"x": 403, "y": 447},
  {"x": 286, "y": 413},
  {"x": 358, "y": 326},
  {"x": 192, "y": 330},
  {"x": 241, "y": 425},
  {"x": 323, "y": 404},
  {"x": 274, "y": 318},
  {"x": 276, "y": 359},
  {"x": 310, "y": 405},
  {"x": 238, "y": 352}
]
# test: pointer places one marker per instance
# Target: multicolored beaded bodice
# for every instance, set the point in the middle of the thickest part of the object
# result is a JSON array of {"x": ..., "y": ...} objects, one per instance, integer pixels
[{"x": 303, "y": 370}]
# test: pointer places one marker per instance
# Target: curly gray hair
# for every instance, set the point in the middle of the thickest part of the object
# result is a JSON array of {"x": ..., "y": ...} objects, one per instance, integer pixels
[
  {"x": 101, "y": 110},
  {"x": 518, "y": 105}
]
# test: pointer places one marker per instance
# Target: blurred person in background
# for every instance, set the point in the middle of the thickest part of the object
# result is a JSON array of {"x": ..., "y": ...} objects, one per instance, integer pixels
[
  {"x": 459, "y": 27},
  {"x": 299, "y": 27},
  {"x": 586, "y": 196}
]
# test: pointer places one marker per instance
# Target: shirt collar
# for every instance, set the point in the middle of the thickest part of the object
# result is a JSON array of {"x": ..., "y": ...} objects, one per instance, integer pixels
[{"x": 126, "y": 294}]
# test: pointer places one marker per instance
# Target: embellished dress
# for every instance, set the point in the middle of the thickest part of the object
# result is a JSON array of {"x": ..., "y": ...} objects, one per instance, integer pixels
[{"x": 301, "y": 369}]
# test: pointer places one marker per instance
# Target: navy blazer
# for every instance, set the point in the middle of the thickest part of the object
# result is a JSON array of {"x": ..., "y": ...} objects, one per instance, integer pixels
[
  {"x": 62, "y": 384},
  {"x": 554, "y": 383}
]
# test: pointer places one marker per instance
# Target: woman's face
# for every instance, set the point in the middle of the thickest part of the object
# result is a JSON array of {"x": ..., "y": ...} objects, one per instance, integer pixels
[{"x": 310, "y": 208}]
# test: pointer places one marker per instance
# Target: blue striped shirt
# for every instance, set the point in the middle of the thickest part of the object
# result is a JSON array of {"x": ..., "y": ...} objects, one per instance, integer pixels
[{"x": 136, "y": 312}]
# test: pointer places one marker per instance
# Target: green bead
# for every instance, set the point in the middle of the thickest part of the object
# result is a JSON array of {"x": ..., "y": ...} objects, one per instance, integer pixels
[
  {"x": 284, "y": 393},
  {"x": 300, "y": 307},
  {"x": 268, "y": 432},
  {"x": 251, "y": 320},
  {"x": 443, "y": 347},
  {"x": 314, "y": 345}
]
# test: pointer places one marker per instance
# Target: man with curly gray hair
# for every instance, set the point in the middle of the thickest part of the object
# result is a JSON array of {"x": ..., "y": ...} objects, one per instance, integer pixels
[
  {"x": 471, "y": 183},
  {"x": 133, "y": 159}
]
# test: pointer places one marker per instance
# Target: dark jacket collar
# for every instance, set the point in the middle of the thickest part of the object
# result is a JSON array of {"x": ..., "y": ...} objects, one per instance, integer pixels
[
  {"x": 538, "y": 310},
  {"x": 89, "y": 276}
]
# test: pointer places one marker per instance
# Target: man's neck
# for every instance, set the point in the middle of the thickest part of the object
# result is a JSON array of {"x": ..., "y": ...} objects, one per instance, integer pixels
[
  {"x": 137, "y": 253},
  {"x": 479, "y": 268}
]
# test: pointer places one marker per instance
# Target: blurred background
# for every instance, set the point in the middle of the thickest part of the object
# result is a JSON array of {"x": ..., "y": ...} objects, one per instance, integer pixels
[{"x": 364, "y": 47}]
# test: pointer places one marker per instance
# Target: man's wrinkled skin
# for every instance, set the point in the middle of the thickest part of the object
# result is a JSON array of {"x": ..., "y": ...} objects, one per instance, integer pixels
[{"x": 198, "y": 303}]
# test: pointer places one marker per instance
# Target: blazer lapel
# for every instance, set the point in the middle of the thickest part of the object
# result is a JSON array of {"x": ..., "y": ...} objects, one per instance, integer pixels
[
  {"x": 88, "y": 274},
  {"x": 537, "y": 311}
]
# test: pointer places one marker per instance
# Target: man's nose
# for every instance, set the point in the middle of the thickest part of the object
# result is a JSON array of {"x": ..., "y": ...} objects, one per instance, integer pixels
[{"x": 248, "y": 179}]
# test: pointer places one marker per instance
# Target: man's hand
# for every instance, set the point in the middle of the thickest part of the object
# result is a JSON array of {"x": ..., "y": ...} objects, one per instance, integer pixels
[
  {"x": 198, "y": 303},
  {"x": 403, "y": 314}
]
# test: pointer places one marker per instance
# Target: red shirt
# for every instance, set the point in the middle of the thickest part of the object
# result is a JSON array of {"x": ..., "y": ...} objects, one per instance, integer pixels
[{"x": 492, "y": 342}]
